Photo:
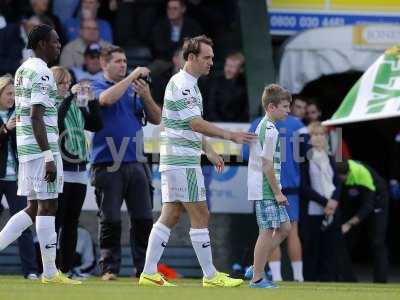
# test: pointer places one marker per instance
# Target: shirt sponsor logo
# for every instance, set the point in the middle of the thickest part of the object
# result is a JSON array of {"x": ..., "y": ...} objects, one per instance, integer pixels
[
  {"x": 191, "y": 102},
  {"x": 43, "y": 88}
]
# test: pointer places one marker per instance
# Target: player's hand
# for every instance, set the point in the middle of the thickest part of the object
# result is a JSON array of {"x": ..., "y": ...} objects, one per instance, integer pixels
[
  {"x": 346, "y": 228},
  {"x": 281, "y": 199},
  {"x": 11, "y": 123},
  {"x": 139, "y": 71},
  {"x": 330, "y": 207},
  {"x": 51, "y": 171},
  {"x": 142, "y": 89},
  {"x": 243, "y": 137},
  {"x": 217, "y": 161}
]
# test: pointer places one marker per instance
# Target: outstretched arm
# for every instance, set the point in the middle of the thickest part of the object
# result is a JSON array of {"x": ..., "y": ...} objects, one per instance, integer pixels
[
  {"x": 208, "y": 129},
  {"x": 114, "y": 93}
]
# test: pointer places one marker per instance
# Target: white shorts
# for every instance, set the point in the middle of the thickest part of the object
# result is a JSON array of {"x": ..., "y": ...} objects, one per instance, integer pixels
[
  {"x": 31, "y": 182},
  {"x": 183, "y": 185}
]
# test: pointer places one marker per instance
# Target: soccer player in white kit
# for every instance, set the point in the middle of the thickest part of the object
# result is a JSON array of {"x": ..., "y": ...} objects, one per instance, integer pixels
[
  {"x": 40, "y": 165},
  {"x": 182, "y": 183}
]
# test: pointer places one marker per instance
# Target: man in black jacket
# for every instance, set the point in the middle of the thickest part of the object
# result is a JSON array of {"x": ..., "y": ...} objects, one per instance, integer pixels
[
  {"x": 365, "y": 199},
  {"x": 227, "y": 99},
  {"x": 169, "y": 34}
]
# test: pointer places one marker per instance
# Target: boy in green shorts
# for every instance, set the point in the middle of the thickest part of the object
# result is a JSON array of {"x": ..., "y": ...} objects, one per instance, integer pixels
[{"x": 264, "y": 186}]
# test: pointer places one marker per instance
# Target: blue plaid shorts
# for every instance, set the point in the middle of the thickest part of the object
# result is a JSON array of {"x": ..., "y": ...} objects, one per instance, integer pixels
[{"x": 270, "y": 214}]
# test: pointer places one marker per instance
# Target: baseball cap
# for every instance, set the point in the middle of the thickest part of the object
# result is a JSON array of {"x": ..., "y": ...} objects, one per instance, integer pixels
[{"x": 93, "y": 49}]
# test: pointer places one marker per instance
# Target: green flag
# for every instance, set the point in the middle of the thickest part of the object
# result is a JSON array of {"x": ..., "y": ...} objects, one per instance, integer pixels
[{"x": 376, "y": 95}]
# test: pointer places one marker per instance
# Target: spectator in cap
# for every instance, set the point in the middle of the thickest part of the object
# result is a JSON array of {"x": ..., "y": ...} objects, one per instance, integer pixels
[{"x": 91, "y": 68}]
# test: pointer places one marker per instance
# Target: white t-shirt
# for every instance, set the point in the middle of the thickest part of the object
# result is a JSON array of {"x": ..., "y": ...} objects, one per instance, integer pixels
[{"x": 268, "y": 147}]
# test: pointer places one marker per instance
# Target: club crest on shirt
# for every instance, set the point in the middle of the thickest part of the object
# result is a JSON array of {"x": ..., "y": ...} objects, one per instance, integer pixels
[{"x": 191, "y": 102}]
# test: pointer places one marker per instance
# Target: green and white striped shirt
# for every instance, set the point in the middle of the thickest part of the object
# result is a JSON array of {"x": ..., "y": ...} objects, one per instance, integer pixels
[
  {"x": 267, "y": 147},
  {"x": 35, "y": 84},
  {"x": 11, "y": 174},
  {"x": 180, "y": 146}
]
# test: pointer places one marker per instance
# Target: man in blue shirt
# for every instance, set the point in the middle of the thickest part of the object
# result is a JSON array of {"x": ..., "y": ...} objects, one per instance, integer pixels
[
  {"x": 118, "y": 168},
  {"x": 293, "y": 132}
]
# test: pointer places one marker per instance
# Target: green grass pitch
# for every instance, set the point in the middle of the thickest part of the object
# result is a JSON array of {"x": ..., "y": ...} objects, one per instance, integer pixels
[{"x": 17, "y": 288}]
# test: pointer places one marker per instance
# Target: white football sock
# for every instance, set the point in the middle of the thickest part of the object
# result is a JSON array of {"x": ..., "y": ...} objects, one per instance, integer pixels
[
  {"x": 297, "y": 267},
  {"x": 14, "y": 228},
  {"x": 201, "y": 245},
  {"x": 47, "y": 237},
  {"x": 275, "y": 267},
  {"x": 158, "y": 240}
]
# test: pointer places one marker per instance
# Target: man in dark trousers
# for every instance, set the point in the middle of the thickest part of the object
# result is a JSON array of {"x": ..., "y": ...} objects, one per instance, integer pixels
[
  {"x": 118, "y": 170},
  {"x": 365, "y": 200}
]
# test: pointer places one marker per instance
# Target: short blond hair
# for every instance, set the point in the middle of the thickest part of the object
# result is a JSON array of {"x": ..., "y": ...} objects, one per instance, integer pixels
[
  {"x": 60, "y": 73},
  {"x": 5, "y": 81},
  {"x": 275, "y": 94},
  {"x": 313, "y": 127}
]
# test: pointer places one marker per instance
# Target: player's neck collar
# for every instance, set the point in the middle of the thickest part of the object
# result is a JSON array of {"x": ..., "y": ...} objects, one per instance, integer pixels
[{"x": 189, "y": 76}]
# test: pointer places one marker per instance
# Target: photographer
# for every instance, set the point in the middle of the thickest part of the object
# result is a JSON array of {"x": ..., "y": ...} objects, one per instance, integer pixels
[
  {"x": 77, "y": 112},
  {"x": 118, "y": 170}
]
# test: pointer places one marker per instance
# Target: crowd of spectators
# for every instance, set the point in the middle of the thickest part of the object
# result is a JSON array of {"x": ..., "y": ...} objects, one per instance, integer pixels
[{"x": 152, "y": 31}]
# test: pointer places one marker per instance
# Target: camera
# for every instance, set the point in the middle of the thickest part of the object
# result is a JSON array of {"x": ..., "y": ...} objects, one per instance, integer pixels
[{"x": 147, "y": 78}]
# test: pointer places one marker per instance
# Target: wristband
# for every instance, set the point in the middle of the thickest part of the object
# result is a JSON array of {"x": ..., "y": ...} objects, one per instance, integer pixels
[{"x": 48, "y": 156}]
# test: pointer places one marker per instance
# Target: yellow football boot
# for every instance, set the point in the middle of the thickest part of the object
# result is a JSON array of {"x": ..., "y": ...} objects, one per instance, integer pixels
[
  {"x": 154, "y": 280},
  {"x": 60, "y": 278},
  {"x": 221, "y": 280}
]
